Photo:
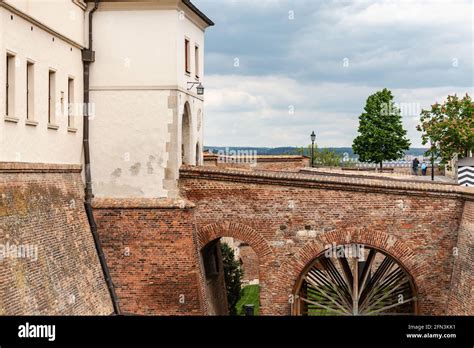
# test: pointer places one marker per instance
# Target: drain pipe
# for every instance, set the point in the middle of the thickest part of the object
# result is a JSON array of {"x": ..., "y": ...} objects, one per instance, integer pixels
[{"x": 88, "y": 57}]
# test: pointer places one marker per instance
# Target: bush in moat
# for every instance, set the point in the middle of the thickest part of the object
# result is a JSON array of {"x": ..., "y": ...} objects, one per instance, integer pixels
[{"x": 233, "y": 277}]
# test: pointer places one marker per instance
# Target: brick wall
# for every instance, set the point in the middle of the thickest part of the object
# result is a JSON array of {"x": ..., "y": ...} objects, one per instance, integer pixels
[
  {"x": 249, "y": 261},
  {"x": 41, "y": 208},
  {"x": 291, "y": 163},
  {"x": 289, "y": 219},
  {"x": 150, "y": 249},
  {"x": 461, "y": 301}
]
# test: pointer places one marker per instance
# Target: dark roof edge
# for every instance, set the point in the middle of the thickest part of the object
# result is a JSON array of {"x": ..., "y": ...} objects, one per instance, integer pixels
[{"x": 197, "y": 11}]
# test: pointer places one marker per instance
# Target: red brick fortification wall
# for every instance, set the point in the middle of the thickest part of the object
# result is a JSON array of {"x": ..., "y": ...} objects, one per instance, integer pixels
[
  {"x": 462, "y": 298},
  {"x": 292, "y": 163},
  {"x": 249, "y": 263},
  {"x": 289, "y": 219},
  {"x": 150, "y": 249},
  {"x": 48, "y": 261}
]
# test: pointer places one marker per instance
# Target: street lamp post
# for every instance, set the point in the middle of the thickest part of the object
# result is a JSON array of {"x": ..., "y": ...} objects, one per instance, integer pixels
[
  {"x": 432, "y": 161},
  {"x": 313, "y": 139},
  {"x": 432, "y": 165}
]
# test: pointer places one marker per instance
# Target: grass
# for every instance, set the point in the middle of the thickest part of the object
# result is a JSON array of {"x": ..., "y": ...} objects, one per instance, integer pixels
[{"x": 249, "y": 295}]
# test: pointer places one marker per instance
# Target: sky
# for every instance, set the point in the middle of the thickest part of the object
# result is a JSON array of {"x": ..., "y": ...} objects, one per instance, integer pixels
[{"x": 275, "y": 70}]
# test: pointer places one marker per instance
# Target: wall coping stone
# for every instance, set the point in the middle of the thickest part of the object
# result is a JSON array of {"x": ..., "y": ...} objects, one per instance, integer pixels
[
  {"x": 24, "y": 167},
  {"x": 340, "y": 182},
  {"x": 142, "y": 203}
]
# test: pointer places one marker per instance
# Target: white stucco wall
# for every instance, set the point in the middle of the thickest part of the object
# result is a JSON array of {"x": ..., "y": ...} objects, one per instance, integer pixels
[
  {"x": 66, "y": 17},
  {"x": 187, "y": 29},
  {"x": 27, "y": 143},
  {"x": 128, "y": 137},
  {"x": 139, "y": 89}
]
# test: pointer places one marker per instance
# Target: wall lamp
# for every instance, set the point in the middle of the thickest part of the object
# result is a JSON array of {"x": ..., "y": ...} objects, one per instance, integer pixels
[{"x": 199, "y": 88}]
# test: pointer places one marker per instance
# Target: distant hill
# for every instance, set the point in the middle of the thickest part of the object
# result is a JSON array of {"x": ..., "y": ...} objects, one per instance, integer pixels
[{"x": 297, "y": 151}]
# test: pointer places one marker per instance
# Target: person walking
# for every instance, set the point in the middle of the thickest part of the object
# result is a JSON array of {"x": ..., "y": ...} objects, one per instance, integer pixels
[
  {"x": 415, "y": 165},
  {"x": 424, "y": 168}
]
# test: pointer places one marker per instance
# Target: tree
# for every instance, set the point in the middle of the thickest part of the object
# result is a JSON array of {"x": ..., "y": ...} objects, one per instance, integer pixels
[
  {"x": 449, "y": 128},
  {"x": 381, "y": 134},
  {"x": 325, "y": 157},
  {"x": 233, "y": 277}
]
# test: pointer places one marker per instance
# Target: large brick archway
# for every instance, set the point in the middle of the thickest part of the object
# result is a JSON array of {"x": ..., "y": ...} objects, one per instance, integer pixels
[{"x": 290, "y": 271}]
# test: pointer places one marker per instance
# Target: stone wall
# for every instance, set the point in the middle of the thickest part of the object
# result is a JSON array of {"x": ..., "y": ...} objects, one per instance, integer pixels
[
  {"x": 289, "y": 219},
  {"x": 150, "y": 249},
  {"x": 48, "y": 262}
]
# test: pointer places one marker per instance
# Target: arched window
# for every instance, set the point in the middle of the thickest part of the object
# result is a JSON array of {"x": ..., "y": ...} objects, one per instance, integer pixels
[
  {"x": 186, "y": 149},
  {"x": 198, "y": 154}
]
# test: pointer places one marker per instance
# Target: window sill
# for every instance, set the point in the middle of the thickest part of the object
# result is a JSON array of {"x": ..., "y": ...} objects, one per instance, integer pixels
[
  {"x": 71, "y": 129},
  {"x": 53, "y": 126},
  {"x": 11, "y": 119},
  {"x": 31, "y": 123}
]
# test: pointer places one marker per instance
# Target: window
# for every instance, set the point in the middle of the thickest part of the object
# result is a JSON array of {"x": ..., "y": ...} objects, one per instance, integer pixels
[
  {"x": 30, "y": 93},
  {"x": 187, "y": 62},
  {"x": 196, "y": 60},
  {"x": 70, "y": 102},
  {"x": 10, "y": 86},
  {"x": 51, "y": 97}
]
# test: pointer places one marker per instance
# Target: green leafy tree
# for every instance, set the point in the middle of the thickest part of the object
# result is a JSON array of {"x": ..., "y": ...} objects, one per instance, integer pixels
[
  {"x": 381, "y": 134},
  {"x": 449, "y": 128},
  {"x": 233, "y": 277},
  {"x": 325, "y": 157}
]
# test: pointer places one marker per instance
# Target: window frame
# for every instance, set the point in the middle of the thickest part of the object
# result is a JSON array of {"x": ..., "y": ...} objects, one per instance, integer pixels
[
  {"x": 70, "y": 100},
  {"x": 10, "y": 85},
  {"x": 52, "y": 98},
  {"x": 30, "y": 90},
  {"x": 197, "y": 61},
  {"x": 187, "y": 54}
]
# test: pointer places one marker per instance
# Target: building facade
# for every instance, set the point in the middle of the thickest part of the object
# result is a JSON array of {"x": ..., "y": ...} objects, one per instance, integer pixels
[
  {"x": 144, "y": 117},
  {"x": 161, "y": 235},
  {"x": 41, "y": 75},
  {"x": 145, "y": 114},
  {"x": 148, "y": 116}
]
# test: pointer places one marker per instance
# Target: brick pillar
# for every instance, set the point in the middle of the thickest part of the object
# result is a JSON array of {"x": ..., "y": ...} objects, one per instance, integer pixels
[{"x": 150, "y": 248}]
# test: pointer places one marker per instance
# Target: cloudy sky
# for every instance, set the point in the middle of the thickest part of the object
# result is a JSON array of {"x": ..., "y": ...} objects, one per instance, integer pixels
[{"x": 278, "y": 69}]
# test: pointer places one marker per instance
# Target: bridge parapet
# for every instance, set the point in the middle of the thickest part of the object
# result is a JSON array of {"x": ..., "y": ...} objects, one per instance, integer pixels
[
  {"x": 298, "y": 214},
  {"x": 329, "y": 181}
]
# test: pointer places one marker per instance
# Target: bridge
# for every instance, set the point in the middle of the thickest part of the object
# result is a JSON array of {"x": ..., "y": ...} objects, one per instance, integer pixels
[
  {"x": 414, "y": 239},
  {"x": 290, "y": 220}
]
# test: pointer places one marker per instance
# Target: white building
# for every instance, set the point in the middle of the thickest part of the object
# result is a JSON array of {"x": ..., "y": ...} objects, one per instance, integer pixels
[
  {"x": 145, "y": 116},
  {"x": 41, "y": 72}
]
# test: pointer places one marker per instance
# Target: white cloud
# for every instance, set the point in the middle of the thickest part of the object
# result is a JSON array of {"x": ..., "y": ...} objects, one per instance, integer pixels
[
  {"x": 257, "y": 111},
  {"x": 422, "y": 50}
]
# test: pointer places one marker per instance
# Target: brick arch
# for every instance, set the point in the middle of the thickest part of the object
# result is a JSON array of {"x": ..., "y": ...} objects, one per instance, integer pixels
[
  {"x": 290, "y": 271},
  {"x": 256, "y": 241},
  {"x": 238, "y": 231}
]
